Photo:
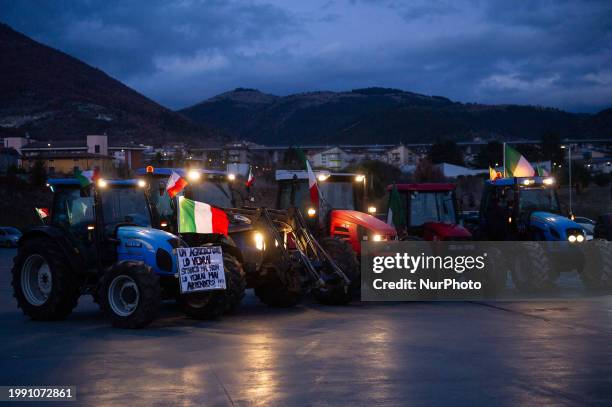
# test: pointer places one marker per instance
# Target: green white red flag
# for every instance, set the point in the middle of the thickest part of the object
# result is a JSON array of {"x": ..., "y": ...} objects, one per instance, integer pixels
[
  {"x": 251, "y": 178},
  {"x": 175, "y": 184},
  {"x": 313, "y": 187},
  {"x": 200, "y": 217},
  {"x": 515, "y": 165},
  {"x": 42, "y": 212},
  {"x": 86, "y": 178}
]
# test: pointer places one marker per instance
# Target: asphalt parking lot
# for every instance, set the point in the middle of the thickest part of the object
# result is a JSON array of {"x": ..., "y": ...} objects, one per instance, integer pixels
[{"x": 506, "y": 353}]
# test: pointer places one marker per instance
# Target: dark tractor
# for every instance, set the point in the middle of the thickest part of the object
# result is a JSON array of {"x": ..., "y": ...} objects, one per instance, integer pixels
[
  {"x": 99, "y": 240},
  {"x": 282, "y": 260},
  {"x": 528, "y": 210},
  {"x": 431, "y": 212}
]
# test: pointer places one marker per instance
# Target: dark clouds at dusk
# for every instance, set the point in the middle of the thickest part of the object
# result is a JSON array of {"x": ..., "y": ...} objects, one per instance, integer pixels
[{"x": 553, "y": 53}]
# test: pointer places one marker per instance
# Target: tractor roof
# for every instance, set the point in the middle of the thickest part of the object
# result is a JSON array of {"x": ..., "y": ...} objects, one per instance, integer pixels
[
  {"x": 519, "y": 180},
  {"x": 424, "y": 187},
  {"x": 74, "y": 181},
  {"x": 180, "y": 171},
  {"x": 283, "y": 175}
]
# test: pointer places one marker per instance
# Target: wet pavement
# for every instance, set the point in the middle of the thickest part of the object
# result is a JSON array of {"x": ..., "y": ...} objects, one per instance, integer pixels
[{"x": 470, "y": 353}]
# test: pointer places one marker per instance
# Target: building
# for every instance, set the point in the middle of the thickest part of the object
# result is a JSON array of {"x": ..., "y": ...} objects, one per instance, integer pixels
[
  {"x": 401, "y": 156},
  {"x": 95, "y": 151},
  {"x": 9, "y": 157},
  {"x": 333, "y": 158}
]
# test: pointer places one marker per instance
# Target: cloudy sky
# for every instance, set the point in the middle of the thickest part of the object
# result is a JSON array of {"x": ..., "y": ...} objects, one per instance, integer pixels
[{"x": 555, "y": 53}]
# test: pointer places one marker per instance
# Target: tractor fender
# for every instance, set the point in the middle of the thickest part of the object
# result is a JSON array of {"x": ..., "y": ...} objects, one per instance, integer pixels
[{"x": 56, "y": 234}]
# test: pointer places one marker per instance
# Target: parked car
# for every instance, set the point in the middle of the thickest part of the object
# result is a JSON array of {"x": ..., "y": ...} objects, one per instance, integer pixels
[{"x": 9, "y": 236}]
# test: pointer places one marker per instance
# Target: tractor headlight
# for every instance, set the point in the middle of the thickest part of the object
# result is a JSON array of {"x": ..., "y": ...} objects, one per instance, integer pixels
[
  {"x": 371, "y": 209},
  {"x": 259, "y": 241},
  {"x": 359, "y": 178},
  {"x": 142, "y": 183},
  {"x": 572, "y": 238},
  {"x": 580, "y": 238},
  {"x": 193, "y": 175},
  {"x": 548, "y": 181},
  {"x": 102, "y": 183},
  {"x": 311, "y": 212},
  {"x": 377, "y": 238},
  {"x": 231, "y": 176}
]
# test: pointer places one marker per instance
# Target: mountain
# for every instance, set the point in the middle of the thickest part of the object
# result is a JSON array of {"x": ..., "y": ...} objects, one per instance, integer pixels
[
  {"x": 51, "y": 95},
  {"x": 382, "y": 115}
]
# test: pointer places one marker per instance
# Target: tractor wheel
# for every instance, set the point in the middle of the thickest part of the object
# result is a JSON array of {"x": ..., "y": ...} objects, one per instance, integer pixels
[
  {"x": 531, "y": 270},
  {"x": 597, "y": 275},
  {"x": 130, "y": 294},
  {"x": 45, "y": 287},
  {"x": 280, "y": 291},
  {"x": 213, "y": 304},
  {"x": 337, "y": 293}
]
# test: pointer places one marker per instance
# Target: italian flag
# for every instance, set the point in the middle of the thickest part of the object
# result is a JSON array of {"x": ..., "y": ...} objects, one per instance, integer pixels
[
  {"x": 42, "y": 212},
  {"x": 175, "y": 184},
  {"x": 312, "y": 181},
  {"x": 200, "y": 217},
  {"x": 251, "y": 178},
  {"x": 396, "y": 215},
  {"x": 515, "y": 165},
  {"x": 85, "y": 178}
]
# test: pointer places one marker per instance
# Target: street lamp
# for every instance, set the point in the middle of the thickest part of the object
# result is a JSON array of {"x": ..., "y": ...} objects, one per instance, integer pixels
[{"x": 569, "y": 169}]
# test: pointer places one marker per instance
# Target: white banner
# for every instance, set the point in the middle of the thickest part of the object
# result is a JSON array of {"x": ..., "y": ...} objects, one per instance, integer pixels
[{"x": 200, "y": 268}]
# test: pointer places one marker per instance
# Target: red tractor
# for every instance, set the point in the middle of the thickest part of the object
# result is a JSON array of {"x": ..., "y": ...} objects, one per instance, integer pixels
[
  {"x": 431, "y": 212},
  {"x": 342, "y": 209}
]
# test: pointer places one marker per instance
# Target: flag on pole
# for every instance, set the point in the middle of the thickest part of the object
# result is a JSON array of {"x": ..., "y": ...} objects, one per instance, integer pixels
[
  {"x": 396, "y": 215},
  {"x": 86, "y": 178},
  {"x": 175, "y": 184},
  {"x": 493, "y": 175},
  {"x": 251, "y": 179},
  {"x": 200, "y": 217},
  {"x": 515, "y": 165},
  {"x": 312, "y": 180},
  {"x": 42, "y": 212},
  {"x": 542, "y": 171}
]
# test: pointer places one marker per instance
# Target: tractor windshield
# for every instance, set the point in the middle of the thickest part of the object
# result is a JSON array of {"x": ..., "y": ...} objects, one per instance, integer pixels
[
  {"x": 432, "y": 207},
  {"x": 213, "y": 193},
  {"x": 124, "y": 205},
  {"x": 334, "y": 195},
  {"x": 538, "y": 199}
]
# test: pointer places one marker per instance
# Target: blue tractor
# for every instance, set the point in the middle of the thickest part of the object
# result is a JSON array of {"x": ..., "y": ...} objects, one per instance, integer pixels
[
  {"x": 99, "y": 240},
  {"x": 527, "y": 209}
]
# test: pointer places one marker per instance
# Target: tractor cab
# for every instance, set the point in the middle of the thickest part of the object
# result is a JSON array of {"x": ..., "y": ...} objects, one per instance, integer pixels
[
  {"x": 343, "y": 210},
  {"x": 431, "y": 211},
  {"x": 213, "y": 187},
  {"x": 90, "y": 217},
  {"x": 525, "y": 208}
]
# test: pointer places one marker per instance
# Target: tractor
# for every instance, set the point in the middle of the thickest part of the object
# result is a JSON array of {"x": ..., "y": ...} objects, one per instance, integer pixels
[
  {"x": 343, "y": 214},
  {"x": 431, "y": 212},
  {"x": 527, "y": 209},
  {"x": 99, "y": 240},
  {"x": 281, "y": 258}
]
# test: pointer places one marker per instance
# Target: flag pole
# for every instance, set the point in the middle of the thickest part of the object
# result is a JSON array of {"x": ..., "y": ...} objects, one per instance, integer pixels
[{"x": 504, "y": 156}]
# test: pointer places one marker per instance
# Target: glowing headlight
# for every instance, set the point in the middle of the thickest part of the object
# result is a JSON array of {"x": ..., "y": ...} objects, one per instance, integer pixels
[
  {"x": 142, "y": 183},
  {"x": 548, "y": 181},
  {"x": 193, "y": 175},
  {"x": 164, "y": 224},
  {"x": 580, "y": 238},
  {"x": 571, "y": 238},
  {"x": 322, "y": 177},
  {"x": 231, "y": 176},
  {"x": 377, "y": 238},
  {"x": 359, "y": 178},
  {"x": 259, "y": 241},
  {"x": 371, "y": 209},
  {"x": 528, "y": 182},
  {"x": 102, "y": 183},
  {"x": 311, "y": 212}
]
